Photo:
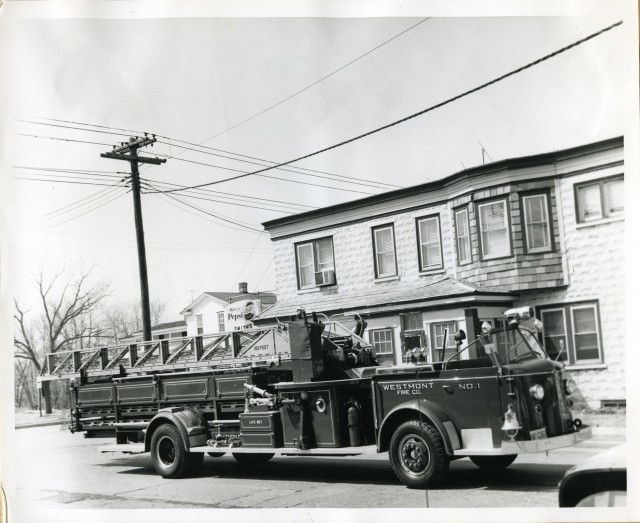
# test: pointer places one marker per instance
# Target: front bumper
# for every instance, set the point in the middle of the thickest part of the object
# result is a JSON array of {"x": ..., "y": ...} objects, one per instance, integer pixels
[
  {"x": 544, "y": 444},
  {"x": 523, "y": 447}
]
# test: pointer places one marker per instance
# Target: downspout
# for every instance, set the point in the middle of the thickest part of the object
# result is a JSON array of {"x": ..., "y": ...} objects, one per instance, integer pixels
[{"x": 561, "y": 231}]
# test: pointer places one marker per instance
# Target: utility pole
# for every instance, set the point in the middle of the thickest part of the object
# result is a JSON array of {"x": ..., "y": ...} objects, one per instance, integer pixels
[{"x": 129, "y": 152}]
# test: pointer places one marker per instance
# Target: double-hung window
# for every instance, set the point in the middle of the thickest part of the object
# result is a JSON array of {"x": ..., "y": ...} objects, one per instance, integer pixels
[
  {"x": 463, "y": 238},
  {"x": 315, "y": 265},
  {"x": 199, "y": 324},
  {"x": 221, "y": 322},
  {"x": 600, "y": 199},
  {"x": 438, "y": 332},
  {"x": 429, "y": 243},
  {"x": 384, "y": 251},
  {"x": 382, "y": 341},
  {"x": 571, "y": 333},
  {"x": 494, "y": 229},
  {"x": 535, "y": 210}
]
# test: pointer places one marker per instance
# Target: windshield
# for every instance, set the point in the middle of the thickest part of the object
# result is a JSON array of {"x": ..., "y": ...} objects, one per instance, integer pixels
[{"x": 511, "y": 346}]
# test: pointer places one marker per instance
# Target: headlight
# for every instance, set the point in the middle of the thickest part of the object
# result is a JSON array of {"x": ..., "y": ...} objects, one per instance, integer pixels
[{"x": 537, "y": 392}]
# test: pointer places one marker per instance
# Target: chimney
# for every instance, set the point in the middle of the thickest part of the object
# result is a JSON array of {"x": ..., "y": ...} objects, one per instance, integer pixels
[{"x": 242, "y": 287}]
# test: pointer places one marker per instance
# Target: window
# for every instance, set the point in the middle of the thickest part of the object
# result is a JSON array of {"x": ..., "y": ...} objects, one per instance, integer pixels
[
  {"x": 494, "y": 229},
  {"x": 600, "y": 199},
  {"x": 384, "y": 251},
  {"x": 536, "y": 223},
  {"x": 199, "y": 323},
  {"x": 411, "y": 321},
  {"x": 463, "y": 239},
  {"x": 382, "y": 341},
  {"x": 221, "y": 322},
  {"x": 438, "y": 331},
  {"x": 429, "y": 243},
  {"x": 571, "y": 333},
  {"x": 315, "y": 265}
]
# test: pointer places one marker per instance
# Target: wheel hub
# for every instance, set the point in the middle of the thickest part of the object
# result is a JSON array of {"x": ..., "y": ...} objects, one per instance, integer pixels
[
  {"x": 414, "y": 455},
  {"x": 166, "y": 451}
]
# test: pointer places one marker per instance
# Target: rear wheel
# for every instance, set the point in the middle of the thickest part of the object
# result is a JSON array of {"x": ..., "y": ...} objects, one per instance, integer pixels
[
  {"x": 493, "y": 463},
  {"x": 252, "y": 459},
  {"x": 417, "y": 455},
  {"x": 168, "y": 452}
]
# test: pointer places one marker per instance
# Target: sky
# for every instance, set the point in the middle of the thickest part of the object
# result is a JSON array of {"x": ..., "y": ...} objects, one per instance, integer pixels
[{"x": 195, "y": 79}]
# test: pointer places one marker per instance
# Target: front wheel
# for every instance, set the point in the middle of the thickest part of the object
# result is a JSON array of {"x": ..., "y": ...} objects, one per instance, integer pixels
[
  {"x": 417, "y": 455},
  {"x": 252, "y": 459},
  {"x": 493, "y": 463},
  {"x": 168, "y": 453}
]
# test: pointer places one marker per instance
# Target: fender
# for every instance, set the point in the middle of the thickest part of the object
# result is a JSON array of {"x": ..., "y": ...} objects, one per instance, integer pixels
[
  {"x": 416, "y": 409},
  {"x": 191, "y": 425}
]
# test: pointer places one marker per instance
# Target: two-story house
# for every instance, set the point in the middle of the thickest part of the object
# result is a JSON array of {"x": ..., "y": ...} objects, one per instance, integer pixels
[{"x": 422, "y": 262}]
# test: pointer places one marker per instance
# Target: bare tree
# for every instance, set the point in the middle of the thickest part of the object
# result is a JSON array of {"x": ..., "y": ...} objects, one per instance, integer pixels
[
  {"x": 125, "y": 319},
  {"x": 63, "y": 320}
]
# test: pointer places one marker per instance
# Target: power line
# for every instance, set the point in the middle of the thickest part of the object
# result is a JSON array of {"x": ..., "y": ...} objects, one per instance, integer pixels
[
  {"x": 248, "y": 258},
  {"x": 246, "y": 173},
  {"x": 419, "y": 113},
  {"x": 165, "y": 198},
  {"x": 219, "y": 217},
  {"x": 84, "y": 213},
  {"x": 97, "y": 195},
  {"x": 61, "y": 181},
  {"x": 80, "y": 175},
  {"x": 67, "y": 170},
  {"x": 273, "y": 209},
  {"x": 75, "y": 128},
  {"x": 317, "y": 81},
  {"x": 62, "y": 139},
  {"x": 224, "y": 193},
  {"x": 328, "y": 176}
]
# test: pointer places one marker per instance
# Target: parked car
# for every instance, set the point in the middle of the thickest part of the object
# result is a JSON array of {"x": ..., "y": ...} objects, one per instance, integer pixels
[{"x": 601, "y": 481}]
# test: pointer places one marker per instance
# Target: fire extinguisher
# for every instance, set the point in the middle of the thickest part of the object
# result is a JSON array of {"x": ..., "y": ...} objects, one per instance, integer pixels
[{"x": 354, "y": 421}]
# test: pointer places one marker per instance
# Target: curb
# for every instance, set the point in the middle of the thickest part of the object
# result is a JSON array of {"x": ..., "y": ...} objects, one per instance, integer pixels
[{"x": 31, "y": 425}]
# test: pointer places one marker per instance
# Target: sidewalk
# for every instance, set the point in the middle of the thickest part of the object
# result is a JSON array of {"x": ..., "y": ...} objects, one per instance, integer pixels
[{"x": 32, "y": 418}]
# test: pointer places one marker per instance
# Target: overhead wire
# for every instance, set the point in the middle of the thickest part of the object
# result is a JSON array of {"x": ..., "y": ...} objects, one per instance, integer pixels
[
  {"x": 234, "y": 201},
  {"x": 419, "y": 113},
  {"x": 246, "y": 173},
  {"x": 318, "y": 81},
  {"x": 224, "y": 193},
  {"x": 70, "y": 207},
  {"x": 62, "y": 181},
  {"x": 219, "y": 217},
  {"x": 172, "y": 202},
  {"x": 382, "y": 184},
  {"x": 84, "y": 213},
  {"x": 327, "y": 176}
]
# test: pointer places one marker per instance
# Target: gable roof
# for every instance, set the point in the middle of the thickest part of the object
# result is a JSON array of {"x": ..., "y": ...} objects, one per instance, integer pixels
[{"x": 224, "y": 298}]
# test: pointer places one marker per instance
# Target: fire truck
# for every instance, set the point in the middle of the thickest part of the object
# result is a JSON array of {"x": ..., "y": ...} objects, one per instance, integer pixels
[{"x": 313, "y": 388}]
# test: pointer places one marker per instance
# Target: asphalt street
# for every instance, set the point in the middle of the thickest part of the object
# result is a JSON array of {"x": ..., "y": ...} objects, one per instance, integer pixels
[{"x": 55, "y": 469}]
